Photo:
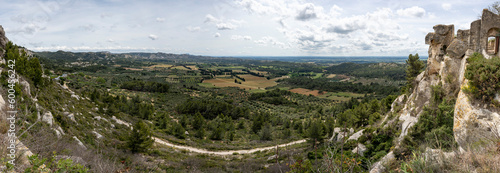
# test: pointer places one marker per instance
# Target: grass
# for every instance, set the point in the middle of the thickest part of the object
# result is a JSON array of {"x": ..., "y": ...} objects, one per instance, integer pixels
[{"x": 318, "y": 75}]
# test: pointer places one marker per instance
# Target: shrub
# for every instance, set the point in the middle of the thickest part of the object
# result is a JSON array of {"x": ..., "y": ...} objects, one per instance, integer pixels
[{"x": 484, "y": 77}]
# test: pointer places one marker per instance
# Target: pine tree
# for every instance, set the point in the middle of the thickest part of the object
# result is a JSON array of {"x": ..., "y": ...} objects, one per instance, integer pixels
[
  {"x": 179, "y": 131},
  {"x": 266, "y": 133},
  {"x": 413, "y": 68},
  {"x": 139, "y": 139},
  {"x": 315, "y": 132},
  {"x": 198, "y": 121}
]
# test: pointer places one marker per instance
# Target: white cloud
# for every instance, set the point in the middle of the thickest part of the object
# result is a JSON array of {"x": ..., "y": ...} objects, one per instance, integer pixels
[
  {"x": 159, "y": 19},
  {"x": 414, "y": 11},
  {"x": 241, "y": 37},
  {"x": 217, "y": 35},
  {"x": 193, "y": 29},
  {"x": 110, "y": 40},
  {"x": 268, "y": 40},
  {"x": 446, "y": 6},
  {"x": 306, "y": 13},
  {"x": 222, "y": 24},
  {"x": 152, "y": 37},
  {"x": 209, "y": 19},
  {"x": 225, "y": 26}
]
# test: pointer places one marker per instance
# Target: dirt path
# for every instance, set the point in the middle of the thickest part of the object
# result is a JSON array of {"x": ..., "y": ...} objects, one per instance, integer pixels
[{"x": 223, "y": 153}]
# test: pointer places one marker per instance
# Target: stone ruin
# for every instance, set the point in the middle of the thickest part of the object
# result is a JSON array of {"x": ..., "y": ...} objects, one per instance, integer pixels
[{"x": 483, "y": 36}]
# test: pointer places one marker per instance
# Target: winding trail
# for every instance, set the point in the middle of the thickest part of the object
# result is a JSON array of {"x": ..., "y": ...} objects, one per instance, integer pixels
[{"x": 223, "y": 153}]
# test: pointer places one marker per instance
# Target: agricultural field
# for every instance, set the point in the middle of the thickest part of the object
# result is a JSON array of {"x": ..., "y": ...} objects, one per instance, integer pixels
[
  {"x": 304, "y": 91},
  {"x": 251, "y": 82}
]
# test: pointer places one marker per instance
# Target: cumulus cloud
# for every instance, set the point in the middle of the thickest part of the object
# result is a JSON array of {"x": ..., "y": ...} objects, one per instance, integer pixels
[
  {"x": 209, "y": 19},
  {"x": 268, "y": 40},
  {"x": 241, "y": 37},
  {"x": 307, "y": 13},
  {"x": 446, "y": 6},
  {"x": 217, "y": 35},
  {"x": 30, "y": 29},
  {"x": 225, "y": 26},
  {"x": 222, "y": 24},
  {"x": 414, "y": 11},
  {"x": 159, "y": 19},
  {"x": 193, "y": 29},
  {"x": 153, "y": 37}
]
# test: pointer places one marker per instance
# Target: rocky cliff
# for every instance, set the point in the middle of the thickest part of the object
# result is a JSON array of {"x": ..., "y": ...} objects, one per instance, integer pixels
[
  {"x": 474, "y": 121},
  {"x": 3, "y": 40}
]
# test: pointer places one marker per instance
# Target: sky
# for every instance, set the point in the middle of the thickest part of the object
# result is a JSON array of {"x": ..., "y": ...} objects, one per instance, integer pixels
[{"x": 234, "y": 27}]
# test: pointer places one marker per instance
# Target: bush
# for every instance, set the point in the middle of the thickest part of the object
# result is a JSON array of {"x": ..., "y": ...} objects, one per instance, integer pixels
[{"x": 484, "y": 77}]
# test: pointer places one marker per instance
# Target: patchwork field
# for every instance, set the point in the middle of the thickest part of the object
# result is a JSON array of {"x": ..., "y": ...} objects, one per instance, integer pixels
[
  {"x": 251, "y": 82},
  {"x": 160, "y": 66},
  {"x": 306, "y": 91}
]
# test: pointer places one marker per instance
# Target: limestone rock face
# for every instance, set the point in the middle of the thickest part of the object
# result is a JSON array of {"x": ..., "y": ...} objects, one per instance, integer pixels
[
  {"x": 3, "y": 39},
  {"x": 356, "y": 135},
  {"x": 473, "y": 123},
  {"x": 457, "y": 48}
]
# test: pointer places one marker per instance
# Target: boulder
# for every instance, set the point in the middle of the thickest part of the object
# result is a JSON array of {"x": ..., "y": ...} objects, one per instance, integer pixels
[
  {"x": 360, "y": 149},
  {"x": 98, "y": 136},
  {"x": 356, "y": 135},
  {"x": 379, "y": 167},
  {"x": 48, "y": 118},
  {"x": 80, "y": 143},
  {"x": 457, "y": 48}
]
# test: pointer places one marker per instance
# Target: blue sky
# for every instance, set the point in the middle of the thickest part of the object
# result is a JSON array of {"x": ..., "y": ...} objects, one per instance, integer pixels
[{"x": 234, "y": 28}]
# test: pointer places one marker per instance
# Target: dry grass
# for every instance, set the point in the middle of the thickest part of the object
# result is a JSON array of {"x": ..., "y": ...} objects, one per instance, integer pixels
[
  {"x": 133, "y": 69},
  {"x": 483, "y": 159},
  {"x": 331, "y": 76},
  {"x": 160, "y": 66},
  {"x": 3, "y": 127}
]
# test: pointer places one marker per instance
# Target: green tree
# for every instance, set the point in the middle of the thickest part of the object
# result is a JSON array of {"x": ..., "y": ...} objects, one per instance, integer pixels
[
  {"x": 315, "y": 132},
  {"x": 217, "y": 134},
  {"x": 139, "y": 139},
  {"x": 413, "y": 68},
  {"x": 200, "y": 133},
  {"x": 266, "y": 133},
  {"x": 179, "y": 131},
  {"x": 198, "y": 121}
]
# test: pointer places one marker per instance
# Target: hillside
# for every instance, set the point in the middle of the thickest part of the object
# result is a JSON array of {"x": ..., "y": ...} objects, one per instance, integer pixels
[{"x": 160, "y": 112}]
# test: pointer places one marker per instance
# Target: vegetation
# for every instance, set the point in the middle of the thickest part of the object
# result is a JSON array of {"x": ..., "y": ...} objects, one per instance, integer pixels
[
  {"x": 484, "y": 77},
  {"x": 370, "y": 70},
  {"x": 145, "y": 86},
  {"x": 413, "y": 68},
  {"x": 140, "y": 138}
]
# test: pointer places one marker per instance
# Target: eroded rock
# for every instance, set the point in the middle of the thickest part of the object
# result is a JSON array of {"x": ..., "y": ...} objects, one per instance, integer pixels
[{"x": 457, "y": 48}]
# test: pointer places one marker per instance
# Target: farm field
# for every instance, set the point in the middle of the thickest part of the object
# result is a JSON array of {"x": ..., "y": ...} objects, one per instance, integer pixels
[
  {"x": 306, "y": 91},
  {"x": 251, "y": 82}
]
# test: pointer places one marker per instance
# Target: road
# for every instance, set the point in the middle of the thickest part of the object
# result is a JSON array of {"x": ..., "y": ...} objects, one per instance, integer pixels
[{"x": 223, "y": 153}]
